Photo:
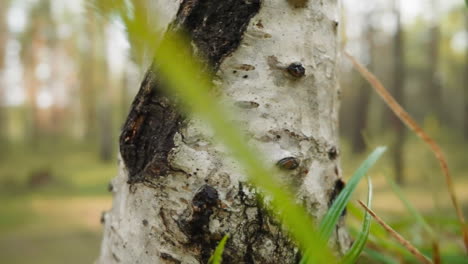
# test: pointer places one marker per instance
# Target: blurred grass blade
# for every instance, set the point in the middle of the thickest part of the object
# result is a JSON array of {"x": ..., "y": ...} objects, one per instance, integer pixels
[
  {"x": 331, "y": 218},
  {"x": 217, "y": 256},
  {"x": 359, "y": 244},
  {"x": 379, "y": 257},
  {"x": 419, "y": 218},
  {"x": 398, "y": 237},
  {"x": 185, "y": 79}
]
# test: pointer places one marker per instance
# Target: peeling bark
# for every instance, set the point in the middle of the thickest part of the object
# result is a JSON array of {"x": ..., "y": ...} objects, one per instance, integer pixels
[{"x": 178, "y": 192}]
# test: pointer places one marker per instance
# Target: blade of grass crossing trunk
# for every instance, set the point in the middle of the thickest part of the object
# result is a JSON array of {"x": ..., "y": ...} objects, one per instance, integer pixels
[
  {"x": 217, "y": 256},
  {"x": 190, "y": 85},
  {"x": 331, "y": 218},
  {"x": 359, "y": 244}
]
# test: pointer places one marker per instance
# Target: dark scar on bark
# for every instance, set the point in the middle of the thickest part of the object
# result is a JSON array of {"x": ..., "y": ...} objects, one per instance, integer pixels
[
  {"x": 216, "y": 29},
  {"x": 255, "y": 229},
  {"x": 204, "y": 204},
  {"x": 337, "y": 188},
  {"x": 332, "y": 153}
]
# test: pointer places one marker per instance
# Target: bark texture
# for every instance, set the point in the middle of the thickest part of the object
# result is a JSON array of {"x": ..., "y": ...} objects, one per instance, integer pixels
[{"x": 178, "y": 192}]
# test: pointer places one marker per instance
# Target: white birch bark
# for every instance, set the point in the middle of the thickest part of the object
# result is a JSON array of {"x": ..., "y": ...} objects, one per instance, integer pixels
[{"x": 284, "y": 116}]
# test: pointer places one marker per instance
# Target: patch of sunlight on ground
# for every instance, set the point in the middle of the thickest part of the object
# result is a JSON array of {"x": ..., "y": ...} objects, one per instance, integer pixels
[{"x": 82, "y": 212}]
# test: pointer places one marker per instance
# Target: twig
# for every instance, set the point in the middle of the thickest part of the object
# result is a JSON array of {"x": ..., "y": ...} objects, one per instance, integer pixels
[
  {"x": 398, "y": 237},
  {"x": 406, "y": 118},
  {"x": 436, "y": 252}
]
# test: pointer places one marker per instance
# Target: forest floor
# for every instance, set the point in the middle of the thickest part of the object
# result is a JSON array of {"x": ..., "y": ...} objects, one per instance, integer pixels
[{"x": 52, "y": 199}]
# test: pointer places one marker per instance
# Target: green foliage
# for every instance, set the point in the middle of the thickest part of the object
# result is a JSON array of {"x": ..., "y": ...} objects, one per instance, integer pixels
[
  {"x": 379, "y": 257},
  {"x": 217, "y": 256},
  {"x": 358, "y": 246},
  {"x": 331, "y": 218}
]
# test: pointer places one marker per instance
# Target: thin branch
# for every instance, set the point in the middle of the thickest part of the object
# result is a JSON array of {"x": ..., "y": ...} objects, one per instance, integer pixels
[
  {"x": 436, "y": 252},
  {"x": 398, "y": 237}
]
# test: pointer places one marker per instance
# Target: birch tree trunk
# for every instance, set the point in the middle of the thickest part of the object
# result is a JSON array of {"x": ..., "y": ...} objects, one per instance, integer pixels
[{"x": 178, "y": 193}]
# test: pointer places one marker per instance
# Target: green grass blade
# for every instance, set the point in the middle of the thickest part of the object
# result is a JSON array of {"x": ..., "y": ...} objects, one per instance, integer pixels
[
  {"x": 217, "y": 256},
  {"x": 379, "y": 257},
  {"x": 358, "y": 246},
  {"x": 331, "y": 218},
  {"x": 419, "y": 218}
]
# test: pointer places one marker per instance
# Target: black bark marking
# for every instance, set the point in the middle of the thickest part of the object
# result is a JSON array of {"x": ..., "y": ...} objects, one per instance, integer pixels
[
  {"x": 252, "y": 234},
  {"x": 204, "y": 204},
  {"x": 298, "y": 3},
  {"x": 335, "y": 24},
  {"x": 115, "y": 257},
  {"x": 170, "y": 258},
  {"x": 102, "y": 219},
  {"x": 246, "y": 104},
  {"x": 288, "y": 163},
  {"x": 337, "y": 188},
  {"x": 296, "y": 70},
  {"x": 147, "y": 136},
  {"x": 216, "y": 28},
  {"x": 332, "y": 153}
]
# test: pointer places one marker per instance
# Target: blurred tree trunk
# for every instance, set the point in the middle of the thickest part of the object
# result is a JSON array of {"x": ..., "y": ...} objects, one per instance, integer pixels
[
  {"x": 364, "y": 95},
  {"x": 106, "y": 141},
  {"x": 178, "y": 192},
  {"x": 96, "y": 89},
  {"x": 125, "y": 97},
  {"x": 36, "y": 43},
  {"x": 106, "y": 132},
  {"x": 399, "y": 72},
  {"x": 88, "y": 74},
  {"x": 3, "y": 40},
  {"x": 102, "y": 83},
  {"x": 433, "y": 77},
  {"x": 32, "y": 43}
]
